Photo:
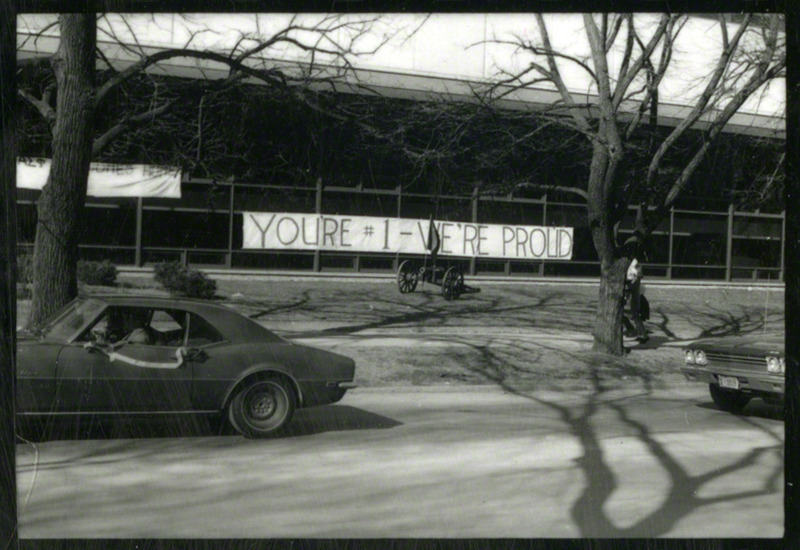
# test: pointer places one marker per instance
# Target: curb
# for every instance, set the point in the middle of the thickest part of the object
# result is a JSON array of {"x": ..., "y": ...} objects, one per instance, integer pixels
[{"x": 251, "y": 275}]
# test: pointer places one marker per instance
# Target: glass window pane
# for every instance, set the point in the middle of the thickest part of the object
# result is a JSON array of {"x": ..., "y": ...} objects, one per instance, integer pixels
[
  {"x": 629, "y": 220},
  {"x": 114, "y": 254},
  {"x": 272, "y": 260},
  {"x": 566, "y": 216},
  {"x": 490, "y": 266},
  {"x": 747, "y": 226},
  {"x": 698, "y": 273},
  {"x": 510, "y": 212},
  {"x": 377, "y": 263},
  {"x": 262, "y": 199},
  {"x": 202, "y": 195},
  {"x": 185, "y": 229},
  {"x": 112, "y": 226},
  {"x": 699, "y": 239},
  {"x": 656, "y": 247},
  {"x": 336, "y": 262},
  {"x": 572, "y": 269},
  {"x": 755, "y": 253},
  {"x": 359, "y": 204},
  {"x": 417, "y": 207}
]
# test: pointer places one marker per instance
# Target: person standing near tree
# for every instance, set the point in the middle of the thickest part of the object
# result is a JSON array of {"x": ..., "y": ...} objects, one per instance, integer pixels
[{"x": 633, "y": 286}]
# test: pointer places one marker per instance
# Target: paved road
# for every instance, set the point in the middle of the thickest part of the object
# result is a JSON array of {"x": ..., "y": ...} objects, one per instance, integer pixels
[{"x": 428, "y": 462}]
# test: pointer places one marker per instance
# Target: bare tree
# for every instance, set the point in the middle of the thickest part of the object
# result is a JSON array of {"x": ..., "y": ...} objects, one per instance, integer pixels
[
  {"x": 624, "y": 106},
  {"x": 75, "y": 96}
]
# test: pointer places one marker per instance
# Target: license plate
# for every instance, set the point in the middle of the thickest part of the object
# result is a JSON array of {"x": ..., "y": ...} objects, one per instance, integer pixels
[{"x": 729, "y": 382}]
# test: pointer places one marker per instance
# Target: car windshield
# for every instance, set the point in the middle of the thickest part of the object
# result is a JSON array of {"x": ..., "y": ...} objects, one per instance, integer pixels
[{"x": 76, "y": 314}]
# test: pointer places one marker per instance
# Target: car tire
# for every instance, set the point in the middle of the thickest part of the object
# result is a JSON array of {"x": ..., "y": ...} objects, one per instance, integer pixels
[
  {"x": 728, "y": 400},
  {"x": 262, "y": 407}
]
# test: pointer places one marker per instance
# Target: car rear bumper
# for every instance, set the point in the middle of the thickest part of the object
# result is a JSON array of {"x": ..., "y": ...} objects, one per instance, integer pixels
[
  {"x": 324, "y": 392},
  {"x": 748, "y": 380}
]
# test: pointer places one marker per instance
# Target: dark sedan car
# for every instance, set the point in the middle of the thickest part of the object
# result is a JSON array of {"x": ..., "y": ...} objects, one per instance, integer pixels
[
  {"x": 738, "y": 369},
  {"x": 128, "y": 355}
]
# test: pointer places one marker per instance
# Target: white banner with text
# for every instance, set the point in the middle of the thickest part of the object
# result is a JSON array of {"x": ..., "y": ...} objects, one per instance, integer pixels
[
  {"x": 287, "y": 231},
  {"x": 109, "y": 180}
]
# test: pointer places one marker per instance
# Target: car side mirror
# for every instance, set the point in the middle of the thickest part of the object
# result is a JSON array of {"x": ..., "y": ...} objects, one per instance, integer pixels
[{"x": 195, "y": 354}]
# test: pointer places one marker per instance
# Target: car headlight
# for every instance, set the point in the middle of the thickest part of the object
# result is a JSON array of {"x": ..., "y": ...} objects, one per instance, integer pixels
[
  {"x": 776, "y": 364},
  {"x": 700, "y": 357},
  {"x": 688, "y": 357}
]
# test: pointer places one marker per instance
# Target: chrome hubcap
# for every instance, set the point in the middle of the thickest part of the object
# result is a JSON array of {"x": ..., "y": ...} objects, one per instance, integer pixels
[{"x": 262, "y": 405}]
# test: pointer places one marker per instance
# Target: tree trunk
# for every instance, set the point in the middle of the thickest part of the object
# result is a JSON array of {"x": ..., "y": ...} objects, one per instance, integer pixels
[
  {"x": 613, "y": 268},
  {"x": 610, "y": 306},
  {"x": 62, "y": 199}
]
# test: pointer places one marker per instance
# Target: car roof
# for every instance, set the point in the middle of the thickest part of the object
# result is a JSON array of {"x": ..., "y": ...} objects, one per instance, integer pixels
[
  {"x": 151, "y": 299},
  {"x": 234, "y": 325}
]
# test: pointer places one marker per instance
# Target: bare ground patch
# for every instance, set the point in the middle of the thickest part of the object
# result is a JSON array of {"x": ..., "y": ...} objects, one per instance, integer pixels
[{"x": 517, "y": 334}]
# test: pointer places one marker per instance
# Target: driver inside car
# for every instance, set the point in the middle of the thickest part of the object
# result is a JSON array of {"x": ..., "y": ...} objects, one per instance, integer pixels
[
  {"x": 138, "y": 331},
  {"x": 129, "y": 325}
]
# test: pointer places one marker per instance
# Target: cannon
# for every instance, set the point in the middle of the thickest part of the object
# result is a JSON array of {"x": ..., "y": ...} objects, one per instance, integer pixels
[{"x": 450, "y": 278}]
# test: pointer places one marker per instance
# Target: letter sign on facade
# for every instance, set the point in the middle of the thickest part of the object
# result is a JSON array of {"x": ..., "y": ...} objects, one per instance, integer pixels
[{"x": 291, "y": 231}]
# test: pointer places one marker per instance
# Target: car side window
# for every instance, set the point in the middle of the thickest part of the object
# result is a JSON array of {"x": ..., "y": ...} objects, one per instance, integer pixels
[
  {"x": 129, "y": 325},
  {"x": 171, "y": 325},
  {"x": 201, "y": 332},
  {"x": 97, "y": 331}
]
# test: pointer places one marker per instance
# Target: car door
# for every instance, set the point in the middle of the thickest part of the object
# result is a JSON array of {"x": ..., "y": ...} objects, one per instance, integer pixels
[
  {"x": 36, "y": 374},
  {"x": 152, "y": 378},
  {"x": 75, "y": 370},
  {"x": 129, "y": 377}
]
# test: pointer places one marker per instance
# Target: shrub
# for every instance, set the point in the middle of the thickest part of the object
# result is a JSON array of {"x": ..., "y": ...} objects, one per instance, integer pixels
[
  {"x": 97, "y": 273},
  {"x": 181, "y": 280},
  {"x": 168, "y": 274}
]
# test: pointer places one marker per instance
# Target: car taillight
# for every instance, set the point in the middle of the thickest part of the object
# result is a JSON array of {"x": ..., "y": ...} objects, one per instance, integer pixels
[
  {"x": 776, "y": 364},
  {"x": 688, "y": 357}
]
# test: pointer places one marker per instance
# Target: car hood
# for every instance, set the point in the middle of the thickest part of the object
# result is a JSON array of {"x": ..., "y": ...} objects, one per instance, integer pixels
[{"x": 760, "y": 344}]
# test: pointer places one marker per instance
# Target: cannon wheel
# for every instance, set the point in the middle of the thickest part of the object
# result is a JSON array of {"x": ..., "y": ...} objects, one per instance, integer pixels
[
  {"x": 452, "y": 283},
  {"x": 407, "y": 277}
]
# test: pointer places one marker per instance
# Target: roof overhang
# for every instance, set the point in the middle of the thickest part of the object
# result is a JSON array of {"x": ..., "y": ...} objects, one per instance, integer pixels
[{"x": 406, "y": 85}]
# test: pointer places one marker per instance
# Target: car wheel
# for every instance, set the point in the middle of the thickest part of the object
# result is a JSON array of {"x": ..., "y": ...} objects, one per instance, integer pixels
[
  {"x": 728, "y": 400},
  {"x": 262, "y": 407}
]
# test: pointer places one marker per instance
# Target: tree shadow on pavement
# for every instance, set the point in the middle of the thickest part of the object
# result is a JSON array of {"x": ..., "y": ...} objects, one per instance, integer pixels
[
  {"x": 683, "y": 494},
  {"x": 756, "y": 408},
  {"x": 314, "y": 420},
  {"x": 333, "y": 308},
  {"x": 712, "y": 322},
  {"x": 427, "y": 310},
  {"x": 336, "y": 418}
]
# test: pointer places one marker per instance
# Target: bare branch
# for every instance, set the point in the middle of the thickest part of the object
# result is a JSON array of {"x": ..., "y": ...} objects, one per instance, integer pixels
[
  {"x": 550, "y": 187},
  {"x": 580, "y": 120},
  {"x": 642, "y": 61},
  {"x": 41, "y": 105},
  {"x": 764, "y": 72},
  {"x": 103, "y": 141},
  {"x": 612, "y": 37},
  {"x": 701, "y": 104}
]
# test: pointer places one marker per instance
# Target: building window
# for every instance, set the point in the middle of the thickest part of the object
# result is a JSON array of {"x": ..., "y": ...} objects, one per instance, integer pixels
[
  {"x": 699, "y": 239},
  {"x": 185, "y": 229}
]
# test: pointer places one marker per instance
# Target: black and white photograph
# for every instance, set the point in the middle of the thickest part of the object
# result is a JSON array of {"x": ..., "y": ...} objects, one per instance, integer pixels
[{"x": 397, "y": 275}]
